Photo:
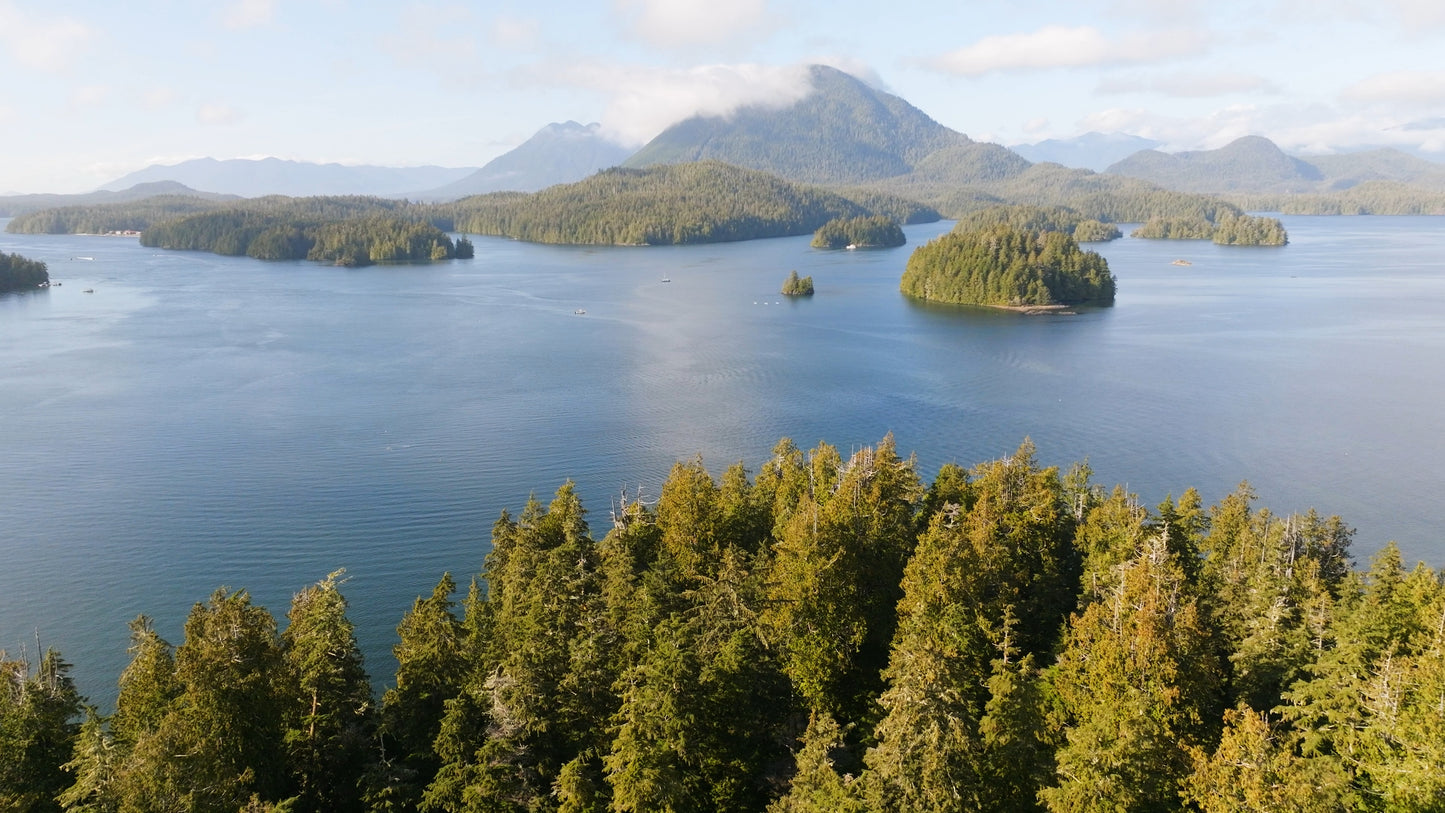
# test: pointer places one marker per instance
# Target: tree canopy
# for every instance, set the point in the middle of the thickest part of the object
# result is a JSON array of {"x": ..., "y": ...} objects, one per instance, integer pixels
[{"x": 1007, "y": 267}]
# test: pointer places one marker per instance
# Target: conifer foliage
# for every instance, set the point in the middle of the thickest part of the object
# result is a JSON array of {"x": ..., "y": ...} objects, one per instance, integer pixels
[{"x": 832, "y": 634}]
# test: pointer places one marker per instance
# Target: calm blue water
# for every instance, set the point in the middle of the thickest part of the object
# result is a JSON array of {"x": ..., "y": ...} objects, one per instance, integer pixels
[{"x": 200, "y": 421}]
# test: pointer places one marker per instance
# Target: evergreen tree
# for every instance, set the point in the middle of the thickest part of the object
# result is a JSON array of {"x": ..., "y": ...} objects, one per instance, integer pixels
[
  {"x": 329, "y": 722},
  {"x": 1139, "y": 680},
  {"x": 38, "y": 721}
]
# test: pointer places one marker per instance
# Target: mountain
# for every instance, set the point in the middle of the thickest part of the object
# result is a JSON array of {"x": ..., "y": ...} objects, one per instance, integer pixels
[
  {"x": 558, "y": 153},
  {"x": 273, "y": 176},
  {"x": 1251, "y": 164},
  {"x": 1347, "y": 170},
  {"x": 843, "y": 132},
  {"x": 20, "y": 204},
  {"x": 1094, "y": 151}
]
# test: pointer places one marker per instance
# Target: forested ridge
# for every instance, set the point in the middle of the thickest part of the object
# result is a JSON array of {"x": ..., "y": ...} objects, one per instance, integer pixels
[
  {"x": 830, "y": 634},
  {"x": 859, "y": 232}
]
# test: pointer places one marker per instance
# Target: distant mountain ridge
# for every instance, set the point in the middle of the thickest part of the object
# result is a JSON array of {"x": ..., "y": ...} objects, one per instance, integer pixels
[
  {"x": 558, "y": 153},
  {"x": 1095, "y": 151},
  {"x": 253, "y": 178},
  {"x": 1256, "y": 165},
  {"x": 20, "y": 204}
]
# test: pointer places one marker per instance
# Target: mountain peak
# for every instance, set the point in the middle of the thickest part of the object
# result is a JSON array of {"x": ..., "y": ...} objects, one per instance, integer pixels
[{"x": 843, "y": 131}]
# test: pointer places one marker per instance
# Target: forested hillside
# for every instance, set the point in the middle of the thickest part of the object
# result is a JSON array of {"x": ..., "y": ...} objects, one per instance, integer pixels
[
  {"x": 831, "y": 634},
  {"x": 703, "y": 202}
]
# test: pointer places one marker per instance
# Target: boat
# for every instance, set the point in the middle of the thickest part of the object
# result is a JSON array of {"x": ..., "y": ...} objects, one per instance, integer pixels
[
  {"x": 1181, "y": 262},
  {"x": 667, "y": 279},
  {"x": 579, "y": 311},
  {"x": 88, "y": 291}
]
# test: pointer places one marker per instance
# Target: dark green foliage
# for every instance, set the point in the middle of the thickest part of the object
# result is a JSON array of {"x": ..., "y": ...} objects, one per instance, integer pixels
[
  {"x": 19, "y": 273},
  {"x": 859, "y": 232},
  {"x": 341, "y": 231},
  {"x": 706, "y": 202},
  {"x": 797, "y": 286},
  {"x": 1247, "y": 230},
  {"x": 1008, "y": 267},
  {"x": 1175, "y": 228},
  {"x": 1092, "y": 231},
  {"x": 39, "y": 715},
  {"x": 329, "y": 724}
]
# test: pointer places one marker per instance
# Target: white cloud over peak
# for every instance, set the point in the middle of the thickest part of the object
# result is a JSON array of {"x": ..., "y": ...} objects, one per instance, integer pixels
[
  {"x": 1057, "y": 46},
  {"x": 686, "y": 23},
  {"x": 43, "y": 44},
  {"x": 642, "y": 102}
]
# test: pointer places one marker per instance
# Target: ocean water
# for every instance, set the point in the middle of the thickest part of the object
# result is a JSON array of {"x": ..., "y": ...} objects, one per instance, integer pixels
[{"x": 195, "y": 421}]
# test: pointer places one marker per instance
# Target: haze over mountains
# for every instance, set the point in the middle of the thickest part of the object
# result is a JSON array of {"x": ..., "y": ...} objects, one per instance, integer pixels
[
  {"x": 844, "y": 133},
  {"x": 1255, "y": 165}
]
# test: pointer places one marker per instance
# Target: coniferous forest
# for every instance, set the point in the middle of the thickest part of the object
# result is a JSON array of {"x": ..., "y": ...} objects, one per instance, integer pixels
[
  {"x": 19, "y": 273},
  {"x": 829, "y": 634},
  {"x": 1004, "y": 266}
]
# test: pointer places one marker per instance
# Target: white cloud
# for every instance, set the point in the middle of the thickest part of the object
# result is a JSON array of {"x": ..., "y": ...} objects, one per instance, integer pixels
[
  {"x": 685, "y": 23},
  {"x": 1189, "y": 85},
  {"x": 1060, "y": 47},
  {"x": 449, "y": 52},
  {"x": 249, "y": 13},
  {"x": 217, "y": 115},
  {"x": 1036, "y": 125},
  {"x": 48, "y": 45},
  {"x": 158, "y": 98},
  {"x": 516, "y": 33},
  {"x": 89, "y": 95},
  {"x": 642, "y": 102},
  {"x": 1413, "y": 88}
]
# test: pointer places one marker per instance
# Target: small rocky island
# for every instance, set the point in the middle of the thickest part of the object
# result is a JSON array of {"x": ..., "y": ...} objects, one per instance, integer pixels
[
  {"x": 796, "y": 286},
  {"x": 1007, "y": 267}
]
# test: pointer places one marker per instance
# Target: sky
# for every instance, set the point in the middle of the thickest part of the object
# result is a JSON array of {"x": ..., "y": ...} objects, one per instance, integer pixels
[{"x": 90, "y": 91}]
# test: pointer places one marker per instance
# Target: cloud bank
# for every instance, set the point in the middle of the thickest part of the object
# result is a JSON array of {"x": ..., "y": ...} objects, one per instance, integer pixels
[
  {"x": 1061, "y": 47},
  {"x": 685, "y": 23},
  {"x": 42, "y": 44}
]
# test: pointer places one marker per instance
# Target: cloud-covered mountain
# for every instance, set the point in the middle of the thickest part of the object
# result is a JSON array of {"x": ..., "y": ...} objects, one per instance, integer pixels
[
  {"x": 558, "y": 153},
  {"x": 252, "y": 178},
  {"x": 843, "y": 132},
  {"x": 1096, "y": 151}
]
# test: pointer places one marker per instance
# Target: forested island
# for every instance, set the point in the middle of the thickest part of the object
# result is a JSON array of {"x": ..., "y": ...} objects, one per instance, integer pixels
[
  {"x": 1228, "y": 230},
  {"x": 1040, "y": 218},
  {"x": 859, "y": 232},
  {"x": 19, "y": 273},
  {"x": 1007, "y": 267},
  {"x": 795, "y": 286},
  {"x": 832, "y": 634}
]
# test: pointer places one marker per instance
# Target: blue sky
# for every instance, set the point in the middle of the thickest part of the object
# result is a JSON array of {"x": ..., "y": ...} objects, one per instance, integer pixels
[{"x": 94, "y": 90}]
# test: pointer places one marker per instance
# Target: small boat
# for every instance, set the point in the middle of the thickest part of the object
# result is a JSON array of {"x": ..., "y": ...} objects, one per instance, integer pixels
[
  {"x": 851, "y": 247},
  {"x": 667, "y": 279},
  {"x": 88, "y": 291},
  {"x": 1181, "y": 262},
  {"x": 579, "y": 311}
]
